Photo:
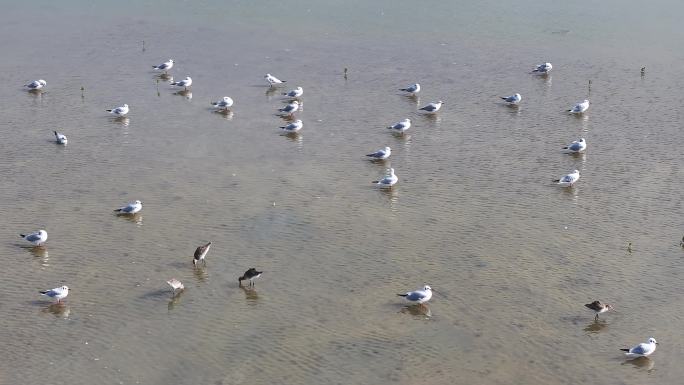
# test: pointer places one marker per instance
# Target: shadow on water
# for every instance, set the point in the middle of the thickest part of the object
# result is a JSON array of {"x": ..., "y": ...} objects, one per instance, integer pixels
[
  {"x": 200, "y": 273},
  {"x": 421, "y": 311},
  {"x": 251, "y": 294},
  {"x": 643, "y": 363},
  {"x": 59, "y": 310},
  {"x": 124, "y": 121},
  {"x": 184, "y": 93},
  {"x": 596, "y": 326},
  {"x": 136, "y": 218},
  {"x": 175, "y": 300},
  {"x": 224, "y": 113}
]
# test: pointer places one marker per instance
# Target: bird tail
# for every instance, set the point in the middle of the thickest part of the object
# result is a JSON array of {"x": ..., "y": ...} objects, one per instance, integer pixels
[
  {"x": 369, "y": 155},
  {"x": 403, "y": 295},
  {"x": 625, "y": 350},
  {"x": 55, "y": 133},
  {"x": 403, "y": 89},
  {"x": 22, "y": 235},
  {"x": 556, "y": 180},
  {"x": 284, "y": 81},
  {"x": 117, "y": 210},
  {"x": 565, "y": 148},
  {"x": 44, "y": 292},
  {"x": 376, "y": 182},
  {"x": 502, "y": 97},
  {"x": 155, "y": 67},
  {"x": 108, "y": 110}
]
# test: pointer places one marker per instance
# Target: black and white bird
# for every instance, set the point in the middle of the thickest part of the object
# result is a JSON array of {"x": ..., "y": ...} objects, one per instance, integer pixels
[
  {"x": 400, "y": 127},
  {"x": 598, "y": 307},
  {"x": 576, "y": 146},
  {"x": 644, "y": 349},
  {"x": 58, "y": 293},
  {"x": 250, "y": 275},
  {"x": 432, "y": 107},
  {"x": 223, "y": 104},
  {"x": 290, "y": 109},
  {"x": 272, "y": 80},
  {"x": 130, "y": 208},
  {"x": 389, "y": 180},
  {"x": 36, "y": 84},
  {"x": 412, "y": 89},
  {"x": 297, "y": 92},
  {"x": 185, "y": 83},
  {"x": 200, "y": 253},
  {"x": 513, "y": 99},
  {"x": 569, "y": 179},
  {"x": 418, "y": 296},
  {"x": 580, "y": 107},
  {"x": 61, "y": 138},
  {"x": 119, "y": 111},
  {"x": 37, "y": 238},
  {"x": 165, "y": 66},
  {"x": 542, "y": 69},
  {"x": 381, "y": 154},
  {"x": 293, "y": 127}
]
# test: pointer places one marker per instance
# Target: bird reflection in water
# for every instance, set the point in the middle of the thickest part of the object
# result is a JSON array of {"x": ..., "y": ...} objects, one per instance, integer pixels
[
  {"x": 200, "y": 273},
  {"x": 270, "y": 91},
  {"x": 175, "y": 299},
  {"x": 59, "y": 310},
  {"x": 184, "y": 93},
  {"x": 136, "y": 218},
  {"x": 596, "y": 326},
  {"x": 420, "y": 310},
  {"x": 124, "y": 121},
  {"x": 251, "y": 294},
  {"x": 224, "y": 113},
  {"x": 643, "y": 363}
]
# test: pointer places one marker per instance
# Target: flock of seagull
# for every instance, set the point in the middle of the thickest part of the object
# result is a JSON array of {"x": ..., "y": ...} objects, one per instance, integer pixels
[{"x": 418, "y": 297}]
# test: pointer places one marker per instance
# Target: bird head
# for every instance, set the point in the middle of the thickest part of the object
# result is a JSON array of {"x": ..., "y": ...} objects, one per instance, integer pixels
[
  {"x": 66, "y": 288},
  {"x": 427, "y": 288},
  {"x": 138, "y": 202},
  {"x": 388, "y": 149},
  {"x": 652, "y": 341}
]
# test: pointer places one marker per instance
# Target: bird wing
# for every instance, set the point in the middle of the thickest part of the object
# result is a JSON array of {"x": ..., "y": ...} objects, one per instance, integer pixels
[
  {"x": 415, "y": 295},
  {"x": 429, "y": 107},
  {"x": 640, "y": 349},
  {"x": 32, "y": 237}
]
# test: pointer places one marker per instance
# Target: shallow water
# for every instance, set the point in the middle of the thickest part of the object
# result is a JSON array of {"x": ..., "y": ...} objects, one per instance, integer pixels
[{"x": 512, "y": 258}]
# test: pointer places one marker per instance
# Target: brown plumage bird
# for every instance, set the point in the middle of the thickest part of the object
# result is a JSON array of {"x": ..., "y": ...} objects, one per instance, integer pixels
[
  {"x": 599, "y": 307},
  {"x": 200, "y": 253},
  {"x": 250, "y": 275}
]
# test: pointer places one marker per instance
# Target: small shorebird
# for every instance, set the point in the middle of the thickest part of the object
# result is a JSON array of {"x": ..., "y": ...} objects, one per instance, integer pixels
[
  {"x": 432, "y": 107},
  {"x": 130, "y": 208},
  {"x": 569, "y": 179},
  {"x": 580, "y": 107},
  {"x": 297, "y": 92},
  {"x": 418, "y": 296},
  {"x": 61, "y": 138},
  {"x": 36, "y": 84},
  {"x": 400, "y": 127},
  {"x": 576, "y": 146},
  {"x": 58, "y": 293},
  {"x": 388, "y": 181},
  {"x": 175, "y": 284},
  {"x": 185, "y": 83},
  {"x": 119, "y": 111},
  {"x": 37, "y": 238},
  {"x": 512, "y": 100},
  {"x": 381, "y": 154},
  {"x": 165, "y": 66},
  {"x": 543, "y": 69},
  {"x": 598, "y": 307},
  {"x": 412, "y": 89},
  {"x": 272, "y": 80},
  {"x": 200, "y": 253},
  {"x": 643, "y": 349},
  {"x": 250, "y": 275}
]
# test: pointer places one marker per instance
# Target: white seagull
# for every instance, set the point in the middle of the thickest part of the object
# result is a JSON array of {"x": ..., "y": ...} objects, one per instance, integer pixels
[
  {"x": 643, "y": 349},
  {"x": 513, "y": 99},
  {"x": 224, "y": 103},
  {"x": 543, "y": 68},
  {"x": 291, "y": 108},
  {"x": 432, "y": 107},
  {"x": 297, "y": 92},
  {"x": 383, "y": 153},
  {"x": 36, "y": 84},
  {"x": 36, "y": 238},
  {"x": 165, "y": 66},
  {"x": 119, "y": 111},
  {"x": 569, "y": 179},
  {"x": 576, "y": 146},
  {"x": 58, "y": 293},
  {"x": 272, "y": 80},
  {"x": 400, "y": 126},
  {"x": 388, "y": 180},
  {"x": 418, "y": 296},
  {"x": 580, "y": 107},
  {"x": 130, "y": 208},
  {"x": 185, "y": 83},
  {"x": 412, "y": 89},
  {"x": 61, "y": 138},
  {"x": 175, "y": 284},
  {"x": 293, "y": 127}
]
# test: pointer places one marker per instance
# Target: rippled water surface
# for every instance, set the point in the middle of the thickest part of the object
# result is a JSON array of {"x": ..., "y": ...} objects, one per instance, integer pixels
[{"x": 512, "y": 257}]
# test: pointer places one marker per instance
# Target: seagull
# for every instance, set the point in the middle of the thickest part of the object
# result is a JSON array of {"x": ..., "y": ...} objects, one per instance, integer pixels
[
  {"x": 130, "y": 208},
  {"x": 383, "y": 153},
  {"x": 59, "y": 293},
  {"x": 580, "y": 107},
  {"x": 224, "y": 103},
  {"x": 569, "y": 179},
  {"x": 185, "y": 83},
  {"x": 293, "y": 127},
  {"x": 250, "y": 275},
  {"x": 200, "y": 253},
  {"x": 61, "y": 138},
  {"x": 165, "y": 66},
  {"x": 388, "y": 181},
  {"x": 36, "y": 84},
  {"x": 576, "y": 146},
  {"x": 297, "y": 92},
  {"x": 432, "y": 107},
  {"x": 175, "y": 284},
  {"x": 37, "y": 238},
  {"x": 402, "y": 126},
  {"x": 412, "y": 89},
  {"x": 599, "y": 307},
  {"x": 272, "y": 80},
  {"x": 543, "y": 68},
  {"x": 418, "y": 296},
  {"x": 643, "y": 349},
  {"x": 119, "y": 111},
  {"x": 290, "y": 108},
  {"x": 513, "y": 99}
]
